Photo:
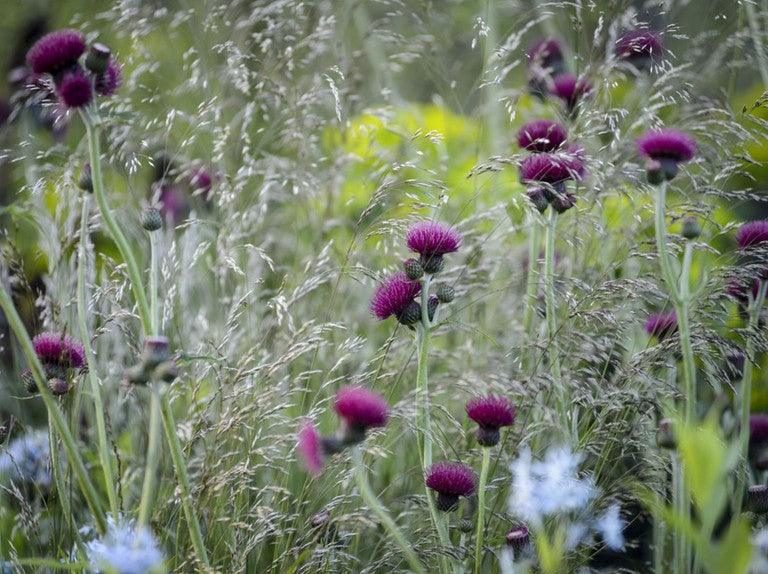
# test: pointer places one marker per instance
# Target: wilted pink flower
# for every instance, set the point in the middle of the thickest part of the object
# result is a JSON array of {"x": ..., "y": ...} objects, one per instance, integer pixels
[
  {"x": 640, "y": 47},
  {"x": 661, "y": 325},
  {"x": 59, "y": 349},
  {"x": 430, "y": 238},
  {"x": 394, "y": 295},
  {"x": 75, "y": 89},
  {"x": 111, "y": 79},
  {"x": 490, "y": 413},
  {"x": 541, "y": 136},
  {"x": 360, "y": 408},
  {"x": 450, "y": 480},
  {"x": 55, "y": 52},
  {"x": 570, "y": 89},
  {"x": 310, "y": 448},
  {"x": 752, "y": 233}
]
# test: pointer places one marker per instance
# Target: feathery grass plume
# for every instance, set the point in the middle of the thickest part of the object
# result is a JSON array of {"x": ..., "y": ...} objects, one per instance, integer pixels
[
  {"x": 26, "y": 459},
  {"x": 126, "y": 549},
  {"x": 668, "y": 147},
  {"x": 541, "y": 136},
  {"x": 450, "y": 480},
  {"x": 490, "y": 413},
  {"x": 661, "y": 325}
]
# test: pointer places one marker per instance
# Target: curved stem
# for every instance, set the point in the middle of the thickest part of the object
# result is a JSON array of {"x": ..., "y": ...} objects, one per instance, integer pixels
[
  {"x": 55, "y": 415},
  {"x": 378, "y": 509},
  {"x": 661, "y": 241},
  {"x": 85, "y": 337},
  {"x": 153, "y": 457},
  {"x": 154, "y": 308},
  {"x": 180, "y": 465},
  {"x": 481, "y": 509},
  {"x": 549, "y": 292},
  {"x": 532, "y": 287},
  {"x": 137, "y": 285}
]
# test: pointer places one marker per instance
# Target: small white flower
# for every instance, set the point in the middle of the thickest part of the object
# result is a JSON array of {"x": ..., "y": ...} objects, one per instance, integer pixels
[
  {"x": 126, "y": 549},
  {"x": 611, "y": 528}
]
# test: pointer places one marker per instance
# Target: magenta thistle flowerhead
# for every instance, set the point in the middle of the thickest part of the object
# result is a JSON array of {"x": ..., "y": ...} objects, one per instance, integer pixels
[
  {"x": 202, "y": 181},
  {"x": 490, "y": 413},
  {"x": 752, "y": 233},
  {"x": 541, "y": 136},
  {"x": 553, "y": 170},
  {"x": 75, "y": 89},
  {"x": 360, "y": 409},
  {"x": 668, "y": 147},
  {"x": 310, "y": 448},
  {"x": 570, "y": 89},
  {"x": 758, "y": 429},
  {"x": 394, "y": 295},
  {"x": 738, "y": 290},
  {"x": 432, "y": 240},
  {"x": 110, "y": 79},
  {"x": 661, "y": 325},
  {"x": 450, "y": 480},
  {"x": 518, "y": 538},
  {"x": 57, "y": 349},
  {"x": 641, "y": 48},
  {"x": 56, "y": 52},
  {"x": 546, "y": 53}
]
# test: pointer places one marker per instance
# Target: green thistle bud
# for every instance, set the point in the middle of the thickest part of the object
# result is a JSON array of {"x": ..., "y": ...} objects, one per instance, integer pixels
[
  {"x": 98, "y": 58},
  {"x": 411, "y": 314},
  {"x": 432, "y": 306},
  {"x": 432, "y": 264},
  {"x": 85, "y": 182},
  {"x": 151, "y": 219},
  {"x": 691, "y": 228},
  {"x": 654, "y": 172},
  {"x": 59, "y": 387},
  {"x": 757, "y": 498},
  {"x": 413, "y": 269},
  {"x": 445, "y": 293}
]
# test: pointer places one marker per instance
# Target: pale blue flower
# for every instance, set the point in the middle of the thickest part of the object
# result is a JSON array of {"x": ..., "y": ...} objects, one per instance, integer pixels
[
  {"x": 611, "y": 528},
  {"x": 27, "y": 459},
  {"x": 126, "y": 549}
]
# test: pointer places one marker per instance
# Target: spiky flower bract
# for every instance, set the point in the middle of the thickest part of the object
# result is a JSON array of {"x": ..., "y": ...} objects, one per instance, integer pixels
[
  {"x": 450, "y": 480},
  {"x": 75, "y": 89},
  {"x": 752, "y": 233},
  {"x": 27, "y": 459},
  {"x": 660, "y": 325},
  {"x": 570, "y": 89},
  {"x": 541, "y": 136},
  {"x": 110, "y": 79},
  {"x": 310, "y": 448},
  {"x": 59, "y": 349},
  {"x": 641, "y": 47},
  {"x": 490, "y": 413},
  {"x": 56, "y": 52},
  {"x": 361, "y": 408},
  {"x": 393, "y": 295},
  {"x": 667, "y": 144},
  {"x": 126, "y": 549},
  {"x": 431, "y": 238}
]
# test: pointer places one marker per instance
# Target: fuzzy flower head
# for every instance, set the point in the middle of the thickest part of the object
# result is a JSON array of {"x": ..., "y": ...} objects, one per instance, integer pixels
[
  {"x": 551, "y": 169},
  {"x": 110, "y": 79},
  {"x": 310, "y": 448},
  {"x": 758, "y": 429},
  {"x": 360, "y": 409},
  {"x": 541, "y": 136},
  {"x": 55, "y": 52},
  {"x": 752, "y": 233},
  {"x": 201, "y": 180},
  {"x": 570, "y": 89},
  {"x": 490, "y": 413},
  {"x": 666, "y": 150},
  {"x": 75, "y": 89},
  {"x": 660, "y": 325},
  {"x": 394, "y": 295},
  {"x": 431, "y": 238},
  {"x": 59, "y": 350},
  {"x": 641, "y": 47},
  {"x": 126, "y": 549},
  {"x": 26, "y": 460},
  {"x": 551, "y": 486},
  {"x": 450, "y": 480},
  {"x": 546, "y": 53}
]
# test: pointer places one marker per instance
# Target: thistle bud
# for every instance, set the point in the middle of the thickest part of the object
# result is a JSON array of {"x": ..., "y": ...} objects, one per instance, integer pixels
[
  {"x": 151, "y": 219},
  {"x": 539, "y": 199},
  {"x": 432, "y": 264},
  {"x": 445, "y": 293},
  {"x": 465, "y": 525},
  {"x": 98, "y": 58},
  {"x": 85, "y": 182},
  {"x": 563, "y": 202},
  {"x": 411, "y": 314},
  {"x": 665, "y": 436},
  {"x": 757, "y": 498},
  {"x": 29, "y": 381},
  {"x": 136, "y": 375},
  {"x": 654, "y": 172},
  {"x": 518, "y": 538},
  {"x": 58, "y": 386},
  {"x": 691, "y": 228},
  {"x": 432, "y": 306},
  {"x": 156, "y": 351},
  {"x": 413, "y": 269}
]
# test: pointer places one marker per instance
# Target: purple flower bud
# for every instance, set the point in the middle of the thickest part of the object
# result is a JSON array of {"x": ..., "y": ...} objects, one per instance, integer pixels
[
  {"x": 75, "y": 89},
  {"x": 110, "y": 79},
  {"x": 60, "y": 350},
  {"x": 518, "y": 538},
  {"x": 546, "y": 53},
  {"x": 393, "y": 295},
  {"x": 55, "y": 52},
  {"x": 758, "y": 430},
  {"x": 570, "y": 89},
  {"x": 752, "y": 233},
  {"x": 757, "y": 498},
  {"x": 490, "y": 413},
  {"x": 551, "y": 169},
  {"x": 660, "y": 325},
  {"x": 450, "y": 480},
  {"x": 563, "y": 202},
  {"x": 541, "y": 136},
  {"x": 641, "y": 48}
]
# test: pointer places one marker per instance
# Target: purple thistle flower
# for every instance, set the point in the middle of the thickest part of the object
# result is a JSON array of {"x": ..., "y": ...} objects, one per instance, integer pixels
[
  {"x": 394, "y": 295},
  {"x": 111, "y": 79},
  {"x": 173, "y": 203},
  {"x": 431, "y": 238},
  {"x": 450, "y": 480},
  {"x": 740, "y": 292},
  {"x": 490, "y": 413},
  {"x": 570, "y": 89},
  {"x": 202, "y": 181},
  {"x": 518, "y": 538},
  {"x": 546, "y": 53},
  {"x": 541, "y": 136},
  {"x": 668, "y": 148},
  {"x": 660, "y": 325},
  {"x": 310, "y": 448},
  {"x": 55, "y": 52},
  {"x": 551, "y": 169},
  {"x": 361, "y": 409},
  {"x": 752, "y": 233},
  {"x": 758, "y": 429},
  {"x": 59, "y": 350},
  {"x": 75, "y": 89},
  {"x": 640, "y": 47}
]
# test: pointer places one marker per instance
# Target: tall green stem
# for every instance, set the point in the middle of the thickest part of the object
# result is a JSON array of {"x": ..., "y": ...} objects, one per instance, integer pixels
[
  {"x": 378, "y": 509},
  {"x": 481, "y": 509},
  {"x": 55, "y": 416},
  {"x": 85, "y": 337},
  {"x": 180, "y": 465},
  {"x": 549, "y": 293},
  {"x": 532, "y": 288},
  {"x": 137, "y": 285},
  {"x": 153, "y": 456},
  {"x": 684, "y": 328},
  {"x": 62, "y": 491}
]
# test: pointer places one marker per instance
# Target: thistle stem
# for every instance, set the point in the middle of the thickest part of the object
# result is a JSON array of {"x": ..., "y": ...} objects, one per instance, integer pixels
[
  {"x": 137, "y": 285},
  {"x": 153, "y": 457},
  {"x": 481, "y": 509},
  {"x": 182, "y": 475},
  {"x": 55, "y": 415},
  {"x": 85, "y": 337},
  {"x": 532, "y": 287},
  {"x": 62, "y": 491},
  {"x": 378, "y": 509},
  {"x": 549, "y": 292}
]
